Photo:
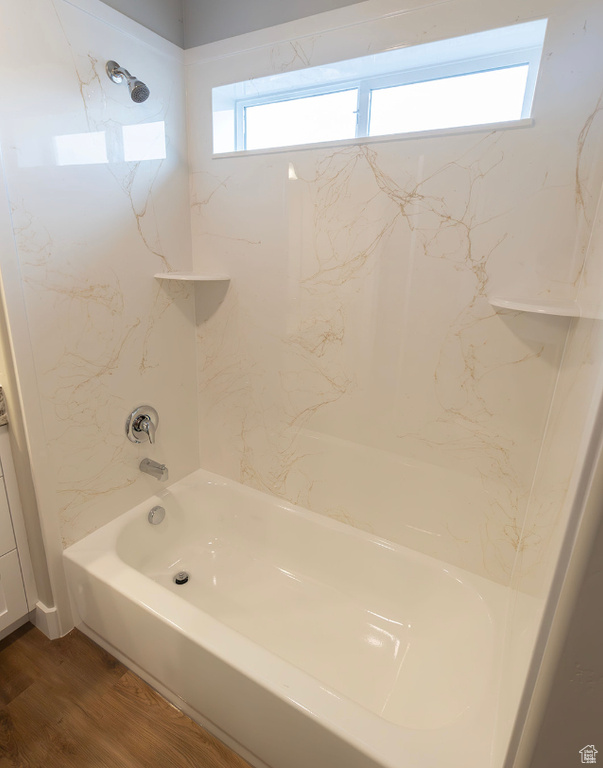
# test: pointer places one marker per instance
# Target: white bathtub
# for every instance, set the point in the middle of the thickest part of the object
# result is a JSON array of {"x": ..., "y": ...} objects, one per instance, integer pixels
[{"x": 300, "y": 641}]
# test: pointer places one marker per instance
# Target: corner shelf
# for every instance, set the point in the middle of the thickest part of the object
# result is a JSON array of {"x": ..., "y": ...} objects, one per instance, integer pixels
[
  {"x": 544, "y": 307},
  {"x": 193, "y": 277}
]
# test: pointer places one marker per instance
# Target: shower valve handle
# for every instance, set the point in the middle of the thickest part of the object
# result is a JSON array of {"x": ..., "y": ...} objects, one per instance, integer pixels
[
  {"x": 144, "y": 425},
  {"x": 141, "y": 424}
]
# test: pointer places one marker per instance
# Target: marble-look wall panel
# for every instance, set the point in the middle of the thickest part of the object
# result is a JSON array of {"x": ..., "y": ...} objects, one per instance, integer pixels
[
  {"x": 99, "y": 205},
  {"x": 578, "y": 394},
  {"x": 355, "y": 365}
]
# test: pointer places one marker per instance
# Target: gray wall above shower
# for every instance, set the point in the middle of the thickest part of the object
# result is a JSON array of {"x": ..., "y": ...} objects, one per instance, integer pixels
[
  {"x": 210, "y": 20},
  {"x": 165, "y": 17}
]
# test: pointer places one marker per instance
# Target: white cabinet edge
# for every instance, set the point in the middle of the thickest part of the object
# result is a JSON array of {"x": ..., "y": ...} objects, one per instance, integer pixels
[
  {"x": 16, "y": 512},
  {"x": 13, "y": 603}
]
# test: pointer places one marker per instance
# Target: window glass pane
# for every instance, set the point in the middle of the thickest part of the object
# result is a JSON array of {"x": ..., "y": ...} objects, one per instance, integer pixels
[
  {"x": 483, "y": 97},
  {"x": 327, "y": 117}
]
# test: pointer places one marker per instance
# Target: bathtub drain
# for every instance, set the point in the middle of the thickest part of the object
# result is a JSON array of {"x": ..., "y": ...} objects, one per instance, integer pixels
[{"x": 181, "y": 578}]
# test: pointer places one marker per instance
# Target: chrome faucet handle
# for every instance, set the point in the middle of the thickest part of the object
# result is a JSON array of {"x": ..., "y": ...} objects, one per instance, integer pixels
[
  {"x": 141, "y": 424},
  {"x": 144, "y": 425},
  {"x": 150, "y": 429}
]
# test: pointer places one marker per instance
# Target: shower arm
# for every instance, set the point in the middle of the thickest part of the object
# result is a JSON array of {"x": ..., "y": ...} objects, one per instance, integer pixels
[
  {"x": 117, "y": 73},
  {"x": 139, "y": 92}
]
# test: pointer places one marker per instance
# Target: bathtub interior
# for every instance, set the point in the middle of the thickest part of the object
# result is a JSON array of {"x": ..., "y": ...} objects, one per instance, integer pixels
[{"x": 364, "y": 617}]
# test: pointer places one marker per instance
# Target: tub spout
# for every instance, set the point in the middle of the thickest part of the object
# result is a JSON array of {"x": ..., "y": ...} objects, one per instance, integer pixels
[{"x": 153, "y": 468}]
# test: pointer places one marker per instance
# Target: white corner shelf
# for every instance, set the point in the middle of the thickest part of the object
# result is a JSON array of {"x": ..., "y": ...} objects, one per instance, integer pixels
[
  {"x": 193, "y": 277},
  {"x": 544, "y": 307}
]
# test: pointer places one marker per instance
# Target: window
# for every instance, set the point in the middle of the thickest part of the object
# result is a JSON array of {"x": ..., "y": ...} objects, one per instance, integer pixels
[
  {"x": 483, "y": 78},
  {"x": 492, "y": 96},
  {"x": 306, "y": 120}
]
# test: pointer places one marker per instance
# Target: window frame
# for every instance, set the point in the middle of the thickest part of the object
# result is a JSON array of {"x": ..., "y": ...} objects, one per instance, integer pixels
[{"x": 529, "y": 57}]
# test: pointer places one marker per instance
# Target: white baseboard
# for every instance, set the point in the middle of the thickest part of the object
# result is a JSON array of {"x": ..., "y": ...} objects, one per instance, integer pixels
[{"x": 46, "y": 620}]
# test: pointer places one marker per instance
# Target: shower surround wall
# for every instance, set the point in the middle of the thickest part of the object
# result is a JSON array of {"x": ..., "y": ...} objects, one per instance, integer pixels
[
  {"x": 356, "y": 366},
  {"x": 91, "y": 228}
]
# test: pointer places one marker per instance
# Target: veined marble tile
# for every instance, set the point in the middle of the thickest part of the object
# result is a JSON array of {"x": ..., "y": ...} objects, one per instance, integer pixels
[
  {"x": 94, "y": 220},
  {"x": 578, "y": 393},
  {"x": 356, "y": 365}
]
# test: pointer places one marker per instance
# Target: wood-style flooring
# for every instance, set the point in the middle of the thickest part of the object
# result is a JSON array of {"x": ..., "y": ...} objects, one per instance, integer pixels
[{"x": 69, "y": 704}]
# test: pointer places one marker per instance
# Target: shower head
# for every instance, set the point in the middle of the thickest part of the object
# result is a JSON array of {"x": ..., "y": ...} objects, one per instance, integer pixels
[{"x": 138, "y": 90}]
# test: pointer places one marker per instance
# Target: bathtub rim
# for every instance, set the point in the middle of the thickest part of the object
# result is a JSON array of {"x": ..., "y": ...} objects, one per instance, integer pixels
[
  {"x": 251, "y": 660},
  {"x": 96, "y": 554}
]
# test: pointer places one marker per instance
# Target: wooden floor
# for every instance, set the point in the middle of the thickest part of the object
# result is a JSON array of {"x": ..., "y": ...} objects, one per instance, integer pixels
[{"x": 70, "y": 704}]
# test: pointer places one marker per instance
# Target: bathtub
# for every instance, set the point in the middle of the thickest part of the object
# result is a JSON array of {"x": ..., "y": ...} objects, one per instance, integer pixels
[{"x": 298, "y": 640}]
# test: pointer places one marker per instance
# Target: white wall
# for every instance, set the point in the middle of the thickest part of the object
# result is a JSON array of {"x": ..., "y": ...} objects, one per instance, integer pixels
[
  {"x": 97, "y": 334},
  {"x": 162, "y": 16},
  {"x": 356, "y": 366}
]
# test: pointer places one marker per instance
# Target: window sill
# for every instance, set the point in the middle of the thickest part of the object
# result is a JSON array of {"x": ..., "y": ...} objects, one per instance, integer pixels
[{"x": 433, "y": 134}]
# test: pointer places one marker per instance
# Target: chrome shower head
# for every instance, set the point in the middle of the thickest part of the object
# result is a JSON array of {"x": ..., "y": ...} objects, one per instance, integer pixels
[{"x": 139, "y": 92}]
